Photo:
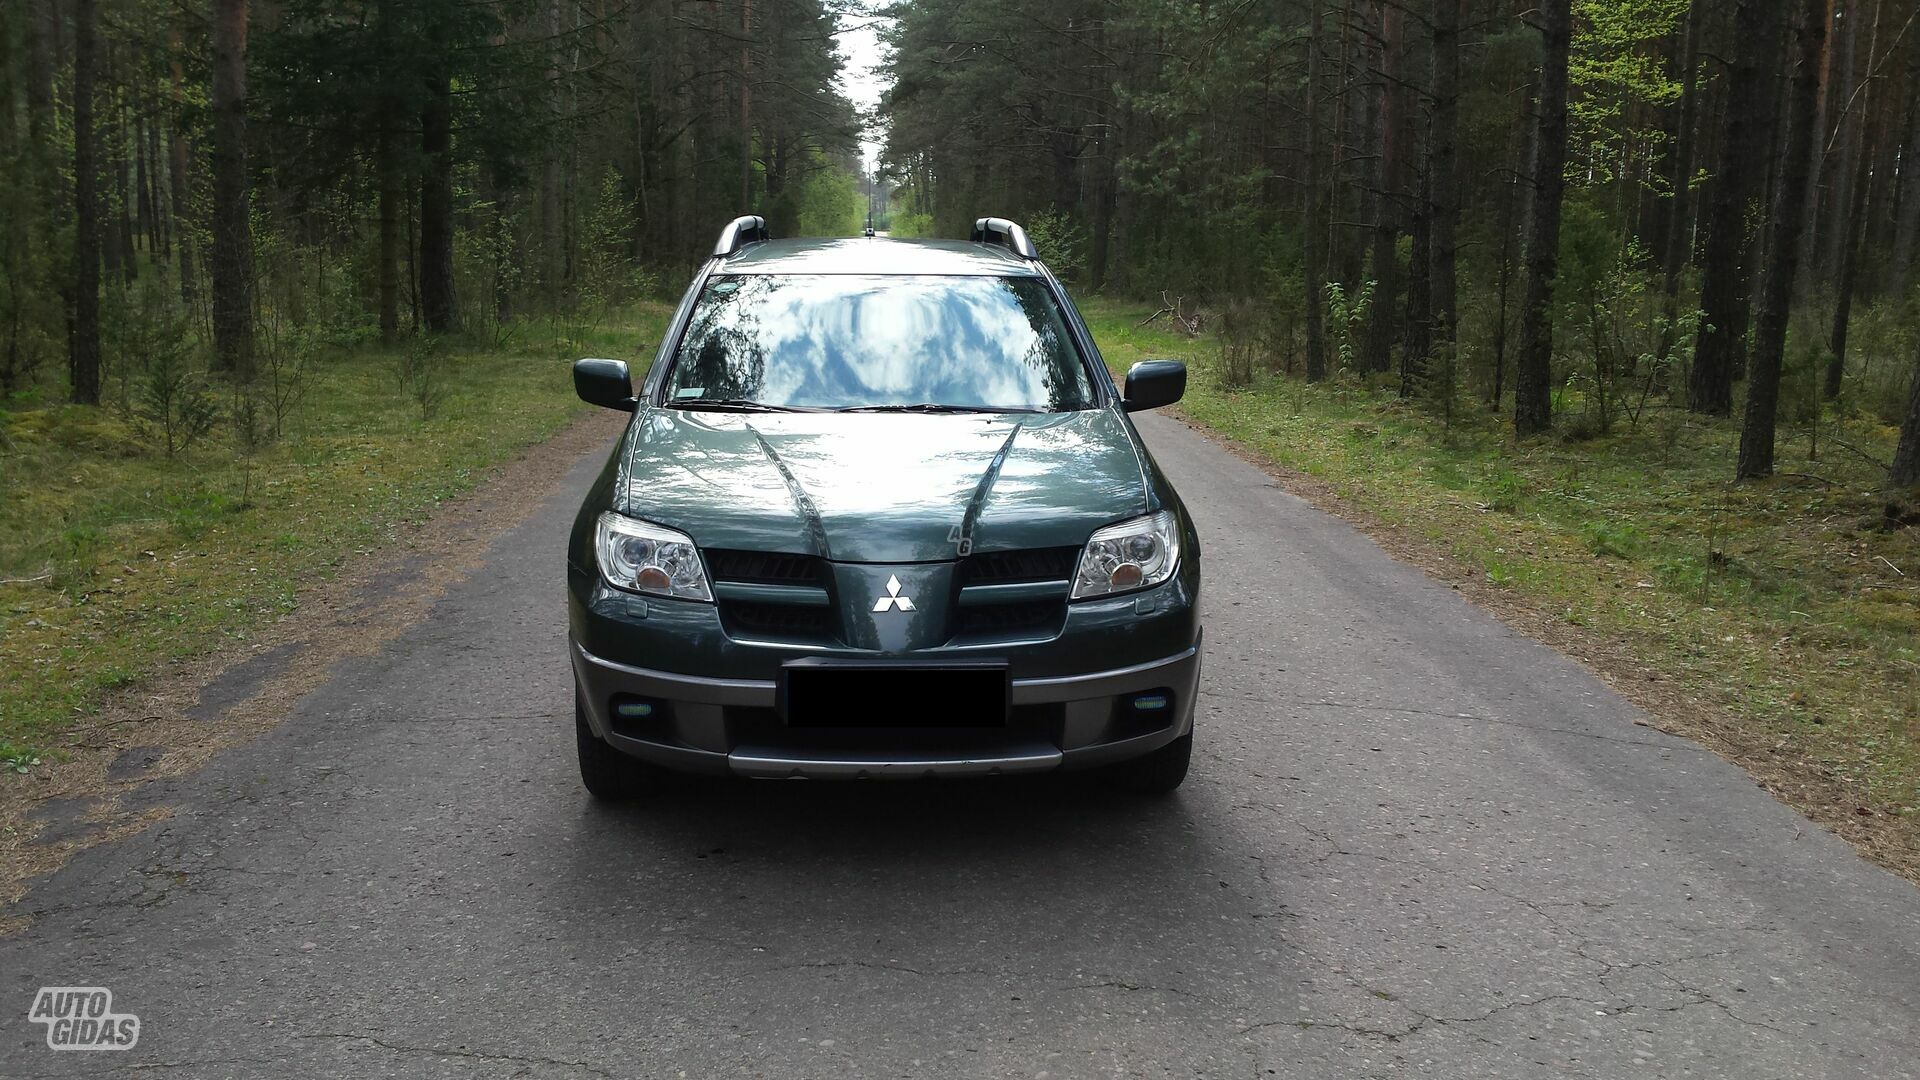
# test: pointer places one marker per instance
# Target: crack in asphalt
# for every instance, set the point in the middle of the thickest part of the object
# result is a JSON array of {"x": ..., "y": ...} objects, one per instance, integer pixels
[
  {"x": 1133, "y": 987},
  {"x": 462, "y": 1052},
  {"x": 1577, "y": 941},
  {"x": 875, "y": 966},
  {"x": 199, "y": 1063}
]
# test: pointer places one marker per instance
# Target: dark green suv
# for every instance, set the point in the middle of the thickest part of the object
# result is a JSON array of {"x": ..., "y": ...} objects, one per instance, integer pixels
[{"x": 881, "y": 512}]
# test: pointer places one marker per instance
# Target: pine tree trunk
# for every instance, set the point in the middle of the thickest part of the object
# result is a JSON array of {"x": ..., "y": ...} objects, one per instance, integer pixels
[
  {"x": 1443, "y": 163},
  {"x": 148, "y": 224},
  {"x": 1905, "y": 471},
  {"x": 1314, "y": 223},
  {"x": 1829, "y": 147},
  {"x": 1418, "y": 343},
  {"x": 1852, "y": 219},
  {"x": 83, "y": 339},
  {"x": 746, "y": 107},
  {"x": 1346, "y": 193},
  {"x": 386, "y": 152},
  {"x": 1907, "y": 194},
  {"x": 177, "y": 163},
  {"x": 1504, "y": 285},
  {"x": 1533, "y": 374},
  {"x": 1391, "y": 170},
  {"x": 1785, "y": 222},
  {"x": 41, "y": 120},
  {"x": 1742, "y": 166},
  {"x": 436, "y": 205},
  {"x": 232, "y": 232},
  {"x": 124, "y": 242},
  {"x": 163, "y": 223},
  {"x": 1417, "y": 330},
  {"x": 14, "y": 244},
  {"x": 549, "y": 256},
  {"x": 104, "y": 146}
]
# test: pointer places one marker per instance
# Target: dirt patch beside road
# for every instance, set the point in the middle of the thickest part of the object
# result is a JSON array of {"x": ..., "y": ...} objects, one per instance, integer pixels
[{"x": 171, "y": 724}]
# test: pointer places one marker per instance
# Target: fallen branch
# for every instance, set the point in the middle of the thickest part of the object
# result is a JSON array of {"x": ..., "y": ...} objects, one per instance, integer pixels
[{"x": 1861, "y": 454}]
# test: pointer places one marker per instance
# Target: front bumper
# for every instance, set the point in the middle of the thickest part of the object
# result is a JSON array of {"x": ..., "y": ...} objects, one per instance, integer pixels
[{"x": 730, "y": 726}]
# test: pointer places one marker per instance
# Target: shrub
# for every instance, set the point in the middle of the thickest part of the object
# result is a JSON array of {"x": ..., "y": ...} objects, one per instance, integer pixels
[
  {"x": 1061, "y": 241},
  {"x": 173, "y": 402},
  {"x": 417, "y": 369}
]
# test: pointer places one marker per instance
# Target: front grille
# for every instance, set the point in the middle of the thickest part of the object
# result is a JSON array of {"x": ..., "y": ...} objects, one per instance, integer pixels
[
  {"x": 1016, "y": 619},
  {"x": 752, "y": 617},
  {"x": 771, "y": 619},
  {"x": 1004, "y": 620},
  {"x": 766, "y": 567},
  {"x": 1010, "y": 567}
]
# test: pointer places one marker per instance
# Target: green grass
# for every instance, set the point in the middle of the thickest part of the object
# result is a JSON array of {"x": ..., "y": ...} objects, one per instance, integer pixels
[
  {"x": 1792, "y": 603},
  {"x": 116, "y": 559}
]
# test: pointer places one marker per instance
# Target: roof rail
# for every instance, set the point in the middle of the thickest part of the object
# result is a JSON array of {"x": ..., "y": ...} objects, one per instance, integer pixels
[
  {"x": 740, "y": 232},
  {"x": 1007, "y": 234}
]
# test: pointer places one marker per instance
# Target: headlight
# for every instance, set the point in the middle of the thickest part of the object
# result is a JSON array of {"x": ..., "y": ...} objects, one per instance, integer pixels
[
  {"x": 642, "y": 557},
  {"x": 1135, "y": 554}
]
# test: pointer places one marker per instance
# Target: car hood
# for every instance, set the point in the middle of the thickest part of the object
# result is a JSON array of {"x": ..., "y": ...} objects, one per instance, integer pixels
[{"x": 881, "y": 487}]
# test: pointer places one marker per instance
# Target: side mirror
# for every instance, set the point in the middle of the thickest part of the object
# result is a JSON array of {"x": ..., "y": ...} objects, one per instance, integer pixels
[
  {"x": 605, "y": 383},
  {"x": 1153, "y": 383}
]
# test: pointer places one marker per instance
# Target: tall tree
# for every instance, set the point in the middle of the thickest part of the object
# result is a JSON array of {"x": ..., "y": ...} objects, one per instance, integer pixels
[
  {"x": 1443, "y": 163},
  {"x": 1389, "y": 206},
  {"x": 1313, "y": 222},
  {"x": 232, "y": 230},
  {"x": 1680, "y": 169},
  {"x": 1905, "y": 471},
  {"x": 1906, "y": 237},
  {"x": 83, "y": 332},
  {"x": 1743, "y": 155},
  {"x": 178, "y": 156},
  {"x": 1417, "y": 344},
  {"x": 1850, "y": 218},
  {"x": 436, "y": 202},
  {"x": 1785, "y": 224},
  {"x": 1533, "y": 374},
  {"x": 389, "y": 108}
]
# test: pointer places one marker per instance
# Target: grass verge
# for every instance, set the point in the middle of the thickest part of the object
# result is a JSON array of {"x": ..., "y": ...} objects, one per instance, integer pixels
[
  {"x": 116, "y": 558},
  {"x": 1792, "y": 605}
]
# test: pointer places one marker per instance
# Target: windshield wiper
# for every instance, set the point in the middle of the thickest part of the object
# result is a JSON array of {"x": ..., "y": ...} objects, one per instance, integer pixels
[
  {"x": 734, "y": 405},
  {"x": 932, "y": 407}
]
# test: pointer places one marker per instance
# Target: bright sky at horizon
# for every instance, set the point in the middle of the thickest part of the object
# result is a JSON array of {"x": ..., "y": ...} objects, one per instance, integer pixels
[{"x": 861, "y": 78}]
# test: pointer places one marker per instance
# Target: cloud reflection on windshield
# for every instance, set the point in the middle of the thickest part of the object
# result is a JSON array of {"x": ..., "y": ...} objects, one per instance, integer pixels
[{"x": 839, "y": 341}]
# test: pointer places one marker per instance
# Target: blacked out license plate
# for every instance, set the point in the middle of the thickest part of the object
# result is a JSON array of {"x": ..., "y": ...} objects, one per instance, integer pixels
[{"x": 843, "y": 694}]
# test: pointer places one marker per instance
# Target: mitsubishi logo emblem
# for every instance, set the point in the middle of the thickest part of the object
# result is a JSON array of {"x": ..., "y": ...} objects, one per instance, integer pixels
[{"x": 893, "y": 599}]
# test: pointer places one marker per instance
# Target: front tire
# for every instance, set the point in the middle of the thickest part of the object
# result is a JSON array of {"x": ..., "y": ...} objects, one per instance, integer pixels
[
  {"x": 1157, "y": 773},
  {"x": 609, "y": 775}
]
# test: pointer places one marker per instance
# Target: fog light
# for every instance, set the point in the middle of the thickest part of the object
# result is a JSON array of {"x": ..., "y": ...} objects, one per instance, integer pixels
[
  {"x": 631, "y": 709},
  {"x": 1149, "y": 702}
]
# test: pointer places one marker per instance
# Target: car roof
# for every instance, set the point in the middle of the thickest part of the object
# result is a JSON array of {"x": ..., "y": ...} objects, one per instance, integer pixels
[{"x": 876, "y": 255}]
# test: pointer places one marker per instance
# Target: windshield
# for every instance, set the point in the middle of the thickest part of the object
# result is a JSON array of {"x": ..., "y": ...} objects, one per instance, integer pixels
[{"x": 841, "y": 341}]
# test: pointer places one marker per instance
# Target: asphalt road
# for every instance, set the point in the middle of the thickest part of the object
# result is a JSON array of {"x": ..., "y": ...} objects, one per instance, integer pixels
[{"x": 1413, "y": 844}]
